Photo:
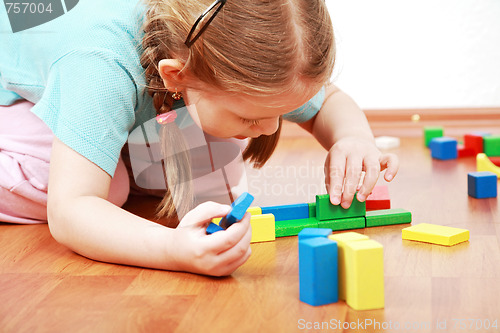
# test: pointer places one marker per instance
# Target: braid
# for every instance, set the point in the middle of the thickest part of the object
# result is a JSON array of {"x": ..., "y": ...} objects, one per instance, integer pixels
[{"x": 176, "y": 164}]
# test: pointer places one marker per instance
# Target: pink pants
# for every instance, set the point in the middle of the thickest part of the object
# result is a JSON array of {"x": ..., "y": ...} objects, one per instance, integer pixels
[{"x": 25, "y": 146}]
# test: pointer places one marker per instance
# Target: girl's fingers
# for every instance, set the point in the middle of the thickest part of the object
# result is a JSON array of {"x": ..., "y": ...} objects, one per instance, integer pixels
[
  {"x": 391, "y": 163},
  {"x": 222, "y": 241},
  {"x": 353, "y": 175},
  {"x": 335, "y": 173},
  {"x": 202, "y": 214},
  {"x": 372, "y": 171}
]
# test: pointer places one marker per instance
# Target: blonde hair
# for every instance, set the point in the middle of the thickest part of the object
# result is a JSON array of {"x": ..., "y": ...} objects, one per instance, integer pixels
[{"x": 254, "y": 47}]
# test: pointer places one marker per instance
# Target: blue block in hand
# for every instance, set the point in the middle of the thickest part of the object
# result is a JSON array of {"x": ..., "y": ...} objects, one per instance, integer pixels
[
  {"x": 482, "y": 184},
  {"x": 239, "y": 209},
  {"x": 212, "y": 227},
  {"x": 444, "y": 148},
  {"x": 318, "y": 271}
]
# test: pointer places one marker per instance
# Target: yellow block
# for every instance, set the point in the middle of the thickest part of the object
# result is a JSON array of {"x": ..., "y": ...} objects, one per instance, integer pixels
[
  {"x": 436, "y": 234},
  {"x": 483, "y": 163},
  {"x": 341, "y": 240},
  {"x": 252, "y": 210},
  {"x": 365, "y": 274},
  {"x": 263, "y": 228}
]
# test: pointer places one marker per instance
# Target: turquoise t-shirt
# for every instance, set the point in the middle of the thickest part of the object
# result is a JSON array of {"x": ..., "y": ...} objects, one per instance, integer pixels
[{"x": 82, "y": 71}]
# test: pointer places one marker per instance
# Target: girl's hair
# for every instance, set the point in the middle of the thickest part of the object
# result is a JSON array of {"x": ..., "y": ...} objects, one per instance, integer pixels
[{"x": 253, "y": 47}]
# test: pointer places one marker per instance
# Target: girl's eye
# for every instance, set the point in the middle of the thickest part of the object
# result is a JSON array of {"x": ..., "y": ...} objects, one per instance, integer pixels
[{"x": 253, "y": 122}]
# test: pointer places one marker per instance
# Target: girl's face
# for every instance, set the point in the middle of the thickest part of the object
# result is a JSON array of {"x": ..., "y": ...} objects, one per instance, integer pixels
[{"x": 226, "y": 116}]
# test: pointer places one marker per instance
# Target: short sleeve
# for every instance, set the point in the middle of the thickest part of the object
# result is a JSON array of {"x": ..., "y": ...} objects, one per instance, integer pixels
[
  {"x": 89, "y": 103},
  {"x": 308, "y": 110}
]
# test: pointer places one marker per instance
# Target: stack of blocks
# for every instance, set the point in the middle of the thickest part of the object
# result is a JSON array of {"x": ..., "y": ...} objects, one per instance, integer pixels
[{"x": 349, "y": 266}]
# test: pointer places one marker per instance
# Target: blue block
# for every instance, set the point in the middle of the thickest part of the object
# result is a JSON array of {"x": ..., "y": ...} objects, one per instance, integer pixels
[
  {"x": 482, "y": 184},
  {"x": 288, "y": 212},
  {"x": 314, "y": 232},
  {"x": 212, "y": 227},
  {"x": 318, "y": 271},
  {"x": 239, "y": 209},
  {"x": 444, "y": 148}
]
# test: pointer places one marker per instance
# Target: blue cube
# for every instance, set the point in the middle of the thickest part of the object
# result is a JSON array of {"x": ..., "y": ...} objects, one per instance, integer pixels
[
  {"x": 481, "y": 185},
  {"x": 444, "y": 148},
  {"x": 288, "y": 212},
  {"x": 314, "y": 232},
  {"x": 318, "y": 271}
]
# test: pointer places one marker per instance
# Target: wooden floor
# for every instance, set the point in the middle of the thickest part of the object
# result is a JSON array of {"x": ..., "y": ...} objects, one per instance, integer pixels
[{"x": 428, "y": 288}]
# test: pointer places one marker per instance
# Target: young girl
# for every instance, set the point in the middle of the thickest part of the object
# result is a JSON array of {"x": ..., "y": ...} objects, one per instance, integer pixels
[{"x": 73, "y": 88}]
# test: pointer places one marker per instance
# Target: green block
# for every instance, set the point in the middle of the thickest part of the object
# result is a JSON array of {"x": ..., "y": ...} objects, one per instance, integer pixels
[
  {"x": 312, "y": 209},
  {"x": 431, "y": 132},
  {"x": 491, "y": 145},
  {"x": 293, "y": 227},
  {"x": 326, "y": 211},
  {"x": 381, "y": 217},
  {"x": 343, "y": 224}
]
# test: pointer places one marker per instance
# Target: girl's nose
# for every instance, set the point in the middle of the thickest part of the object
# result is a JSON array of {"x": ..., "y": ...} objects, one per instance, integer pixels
[{"x": 268, "y": 126}]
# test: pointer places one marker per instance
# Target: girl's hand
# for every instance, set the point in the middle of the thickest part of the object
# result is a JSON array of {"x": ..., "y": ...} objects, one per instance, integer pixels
[
  {"x": 218, "y": 254},
  {"x": 344, "y": 167}
]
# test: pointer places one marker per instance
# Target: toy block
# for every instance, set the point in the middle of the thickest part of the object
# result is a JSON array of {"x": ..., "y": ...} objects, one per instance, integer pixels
[
  {"x": 495, "y": 160},
  {"x": 431, "y": 133},
  {"x": 491, "y": 145},
  {"x": 239, "y": 208},
  {"x": 483, "y": 163},
  {"x": 463, "y": 151},
  {"x": 326, "y": 211},
  {"x": 314, "y": 232},
  {"x": 255, "y": 210},
  {"x": 312, "y": 209},
  {"x": 293, "y": 227},
  {"x": 343, "y": 224},
  {"x": 318, "y": 274},
  {"x": 263, "y": 228},
  {"x": 387, "y": 142},
  {"x": 382, "y": 217},
  {"x": 482, "y": 184},
  {"x": 474, "y": 141},
  {"x": 288, "y": 212},
  {"x": 379, "y": 198},
  {"x": 443, "y": 148},
  {"x": 341, "y": 240},
  {"x": 212, "y": 227},
  {"x": 436, "y": 234},
  {"x": 364, "y": 274}
]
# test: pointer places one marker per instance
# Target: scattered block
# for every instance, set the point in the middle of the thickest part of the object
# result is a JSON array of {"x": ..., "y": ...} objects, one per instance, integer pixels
[
  {"x": 491, "y": 145},
  {"x": 263, "y": 228},
  {"x": 387, "y": 142},
  {"x": 326, "y": 211},
  {"x": 379, "y": 198},
  {"x": 318, "y": 274},
  {"x": 343, "y": 224},
  {"x": 382, "y": 217},
  {"x": 365, "y": 273},
  {"x": 444, "y": 148},
  {"x": 436, "y": 234},
  {"x": 483, "y": 163},
  {"x": 431, "y": 132},
  {"x": 239, "y": 208},
  {"x": 212, "y": 227},
  {"x": 474, "y": 141},
  {"x": 314, "y": 232},
  {"x": 293, "y": 227},
  {"x": 482, "y": 184},
  {"x": 495, "y": 160},
  {"x": 341, "y": 240},
  {"x": 288, "y": 212},
  {"x": 463, "y": 151}
]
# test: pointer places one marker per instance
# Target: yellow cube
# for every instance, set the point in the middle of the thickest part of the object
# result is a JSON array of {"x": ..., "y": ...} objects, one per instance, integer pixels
[
  {"x": 263, "y": 228},
  {"x": 436, "y": 234}
]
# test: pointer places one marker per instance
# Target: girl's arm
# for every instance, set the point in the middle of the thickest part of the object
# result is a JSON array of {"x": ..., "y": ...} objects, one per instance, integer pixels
[
  {"x": 81, "y": 218},
  {"x": 342, "y": 128}
]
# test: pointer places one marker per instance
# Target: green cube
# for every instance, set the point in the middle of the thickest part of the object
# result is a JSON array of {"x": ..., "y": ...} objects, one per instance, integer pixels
[
  {"x": 491, "y": 145},
  {"x": 343, "y": 224},
  {"x": 326, "y": 211},
  {"x": 382, "y": 217},
  {"x": 293, "y": 227},
  {"x": 431, "y": 133}
]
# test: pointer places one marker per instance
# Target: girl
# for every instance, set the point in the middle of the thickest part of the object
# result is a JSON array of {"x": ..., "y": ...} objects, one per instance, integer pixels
[{"x": 76, "y": 86}]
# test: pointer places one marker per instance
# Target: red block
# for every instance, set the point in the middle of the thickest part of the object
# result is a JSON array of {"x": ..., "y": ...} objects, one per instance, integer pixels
[
  {"x": 465, "y": 152},
  {"x": 495, "y": 160},
  {"x": 379, "y": 198},
  {"x": 474, "y": 142}
]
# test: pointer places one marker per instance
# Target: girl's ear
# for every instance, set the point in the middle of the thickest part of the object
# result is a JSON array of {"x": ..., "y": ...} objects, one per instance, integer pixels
[{"x": 171, "y": 74}]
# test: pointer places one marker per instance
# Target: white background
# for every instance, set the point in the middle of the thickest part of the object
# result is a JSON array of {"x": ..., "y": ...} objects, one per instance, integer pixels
[{"x": 418, "y": 54}]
